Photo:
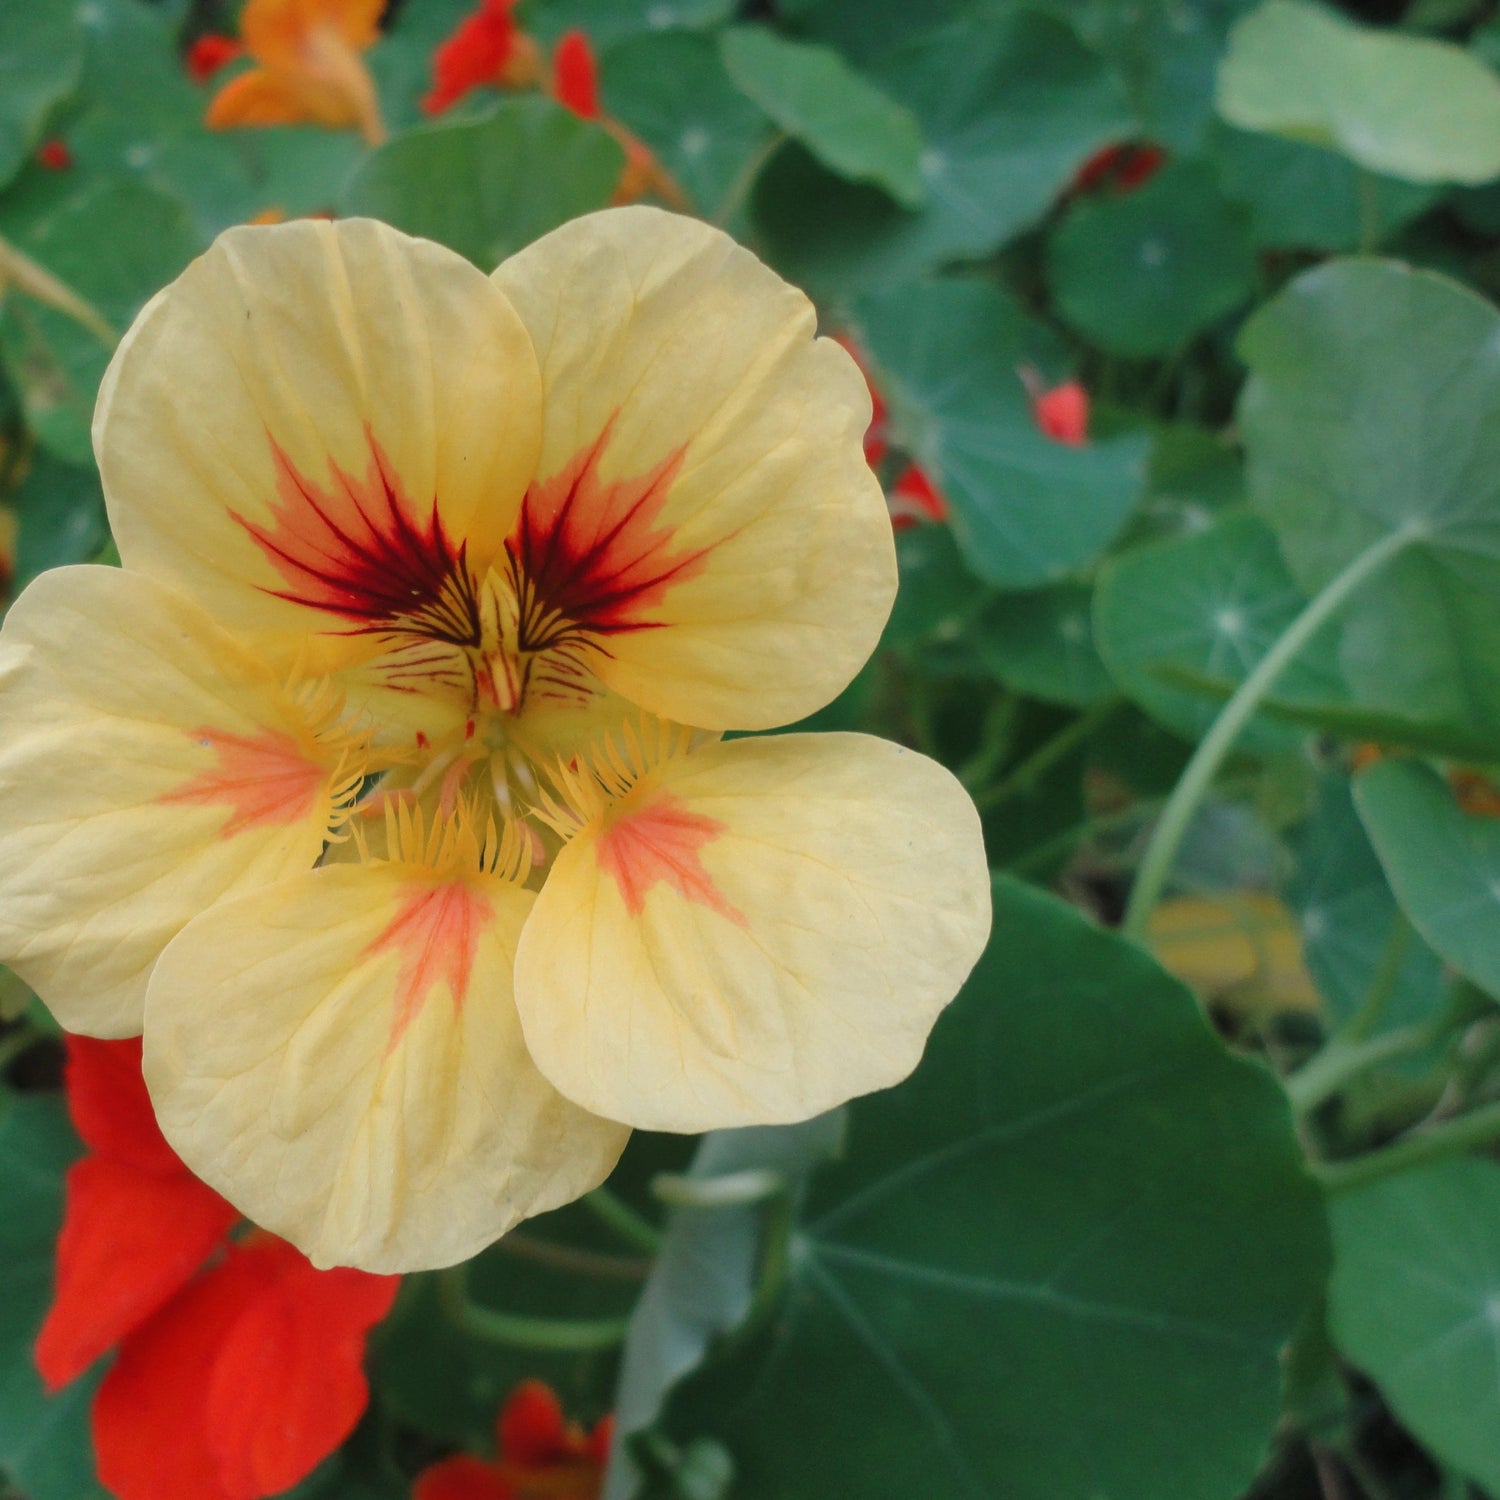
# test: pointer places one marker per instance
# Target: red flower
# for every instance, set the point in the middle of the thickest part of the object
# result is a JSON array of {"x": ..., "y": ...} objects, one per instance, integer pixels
[
  {"x": 209, "y": 53},
  {"x": 541, "y": 1455},
  {"x": 234, "y": 1379},
  {"x": 575, "y": 75},
  {"x": 54, "y": 155},
  {"x": 487, "y": 48},
  {"x": 1063, "y": 413},
  {"x": 914, "y": 499},
  {"x": 1123, "y": 167},
  {"x": 575, "y": 85}
]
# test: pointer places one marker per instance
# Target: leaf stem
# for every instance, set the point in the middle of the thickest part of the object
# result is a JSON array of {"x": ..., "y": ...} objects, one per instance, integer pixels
[
  {"x": 1197, "y": 777},
  {"x": 1024, "y": 777},
  {"x": 635, "y": 1229},
  {"x": 1387, "y": 976},
  {"x": 1343, "y": 1059},
  {"x": 732, "y": 1190},
  {"x": 744, "y": 179},
  {"x": 519, "y": 1331},
  {"x": 1453, "y": 1138},
  {"x": 16, "y": 1041}
]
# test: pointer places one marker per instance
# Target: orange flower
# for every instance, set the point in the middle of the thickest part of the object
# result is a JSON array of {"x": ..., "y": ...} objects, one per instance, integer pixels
[
  {"x": 542, "y": 1456},
  {"x": 239, "y": 1366},
  {"x": 487, "y": 48},
  {"x": 575, "y": 85},
  {"x": 309, "y": 69}
]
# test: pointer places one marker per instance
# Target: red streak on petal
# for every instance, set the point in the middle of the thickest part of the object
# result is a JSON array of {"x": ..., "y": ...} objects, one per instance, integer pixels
[
  {"x": 436, "y": 933},
  {"x": 575, "y": 75},
  {"x": 359, "y": 550},
  {"x": 265, "y": 779},
  {"x": 660, "y": 843},
  {"x": 591, "y": 556}
]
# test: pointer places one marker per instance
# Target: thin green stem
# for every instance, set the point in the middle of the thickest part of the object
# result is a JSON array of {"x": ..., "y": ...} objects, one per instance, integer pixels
[
  {"x": 995, "y": 739},
  {"x": 775, "y": 1258},
  {"x": 1024, "y": 777},
  {"x": 635, "y": 1229},
  {"x": 1369, "y": 211},
  {"x": 1198, "y": 776},
  {"x": 744, "y": 179},
  {"x": 732, "y": 1190},
  {"x": 16, "y": 1041},
  {"x": 518, "y": 1331},
  {"x": 1342, "y": 1060},
  {"x": 1439, "y": 1143},
  {"x": 1377, "y": 998}
]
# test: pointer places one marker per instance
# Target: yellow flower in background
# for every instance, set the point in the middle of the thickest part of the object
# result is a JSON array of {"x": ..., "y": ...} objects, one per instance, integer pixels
[
  {"x": 309, "y": 68},
  {"x": 385, "y": 785}
]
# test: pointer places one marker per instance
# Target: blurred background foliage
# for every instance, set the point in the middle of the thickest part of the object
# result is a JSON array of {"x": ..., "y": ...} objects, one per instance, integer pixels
[{"x": 1197, "y": 1210}]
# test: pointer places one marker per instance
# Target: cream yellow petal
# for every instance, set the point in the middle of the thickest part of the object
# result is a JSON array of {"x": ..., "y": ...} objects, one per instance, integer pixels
[
  {"x": 758, "y": 931},
  {"x": 703, "y": 514},
  {"x": 314, "y": 423},
  {"x": 148, "y": 766},
  {"x": 339, "y": 1055}
]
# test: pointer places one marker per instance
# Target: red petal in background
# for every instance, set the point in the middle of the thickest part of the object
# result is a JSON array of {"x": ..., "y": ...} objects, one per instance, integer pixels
[
  {"x": 210, "y": 53},
  {"x": 130, "y": 1240},
  {"x": 482, "y": 50},
  {"x": 288, "y": 1381},
  {"x": 110, "y": 1107},
  {"x": 150, "y": 1416},
  {"x": 531, "y": 1429},
  {"x": 575, "y": 75},
  {"x": 243, "y": 1383},
  {"x": 1063, "y": 414},
  {"x": 462, "y": 1478}
]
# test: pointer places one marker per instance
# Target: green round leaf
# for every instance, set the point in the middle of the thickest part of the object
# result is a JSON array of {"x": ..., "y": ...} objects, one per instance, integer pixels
[
  {"x": 1347, "y": 914},
  {"x": 1174, "y": 617},
  {"x": 1374, "y": 408},
  {"x": 1167, "y": 51},
  {"x": 1415, "y": 1302},
  {"x": 606, "y": 21},
  {"x": 672, "y": 91},
  {"x": 1079, "y": 1232},
  {"x": 1010, "y": 105},
  {"x": 486, "y": 187},
  {"x": 57, "y": 363},
  {"x": 818, "y": 99},
  {"x": 1443, "y": 866},
  {"x": 1042, "y": 644},
  {"x": 1408, "y": 106},
  {"x": 938, "y": 596},
  {"x": 1308, "y": 198},
  {"x": 1026, "y": 510},
  {"x": 1140, "y": 274},
  {"x": 41, "y": 62}
]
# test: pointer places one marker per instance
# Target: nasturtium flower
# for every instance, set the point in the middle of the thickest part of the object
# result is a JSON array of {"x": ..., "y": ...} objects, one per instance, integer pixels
[
  {"x": 542, "y": 1456},
  {"x": 238, "y": 1365},
  {"x": 385, "y": 785},
  {"x": 309, "y": 68},
  {"x": 487, "y": 48}
]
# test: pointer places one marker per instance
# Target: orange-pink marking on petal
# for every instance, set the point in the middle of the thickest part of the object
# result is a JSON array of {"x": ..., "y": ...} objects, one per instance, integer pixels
[
  {"x": 661, "y": 843},
  {"x": 265, "y": 778},
  {"x": 436, "y": 933}
]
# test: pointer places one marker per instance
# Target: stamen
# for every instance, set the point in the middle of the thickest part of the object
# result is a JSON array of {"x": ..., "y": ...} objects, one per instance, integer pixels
[
  {"x": 454, "y": 844},
  {"x": 608, "y": 771}
]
